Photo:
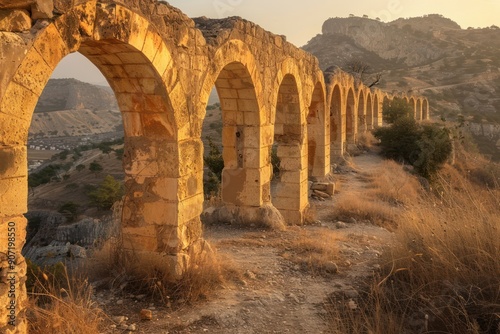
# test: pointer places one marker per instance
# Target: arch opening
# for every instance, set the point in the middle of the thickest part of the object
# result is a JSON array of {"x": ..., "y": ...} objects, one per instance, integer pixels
[
  {"x": 240, "y": 136},
  {"x": 369, "y": 112},
  {"x": 337, "y": 148},
  {"x": 350, "y": 124},
  {"x": 289, "y": 187},
  {"x": 361, "y": 113},
  {"x": 316, "y": 134}
]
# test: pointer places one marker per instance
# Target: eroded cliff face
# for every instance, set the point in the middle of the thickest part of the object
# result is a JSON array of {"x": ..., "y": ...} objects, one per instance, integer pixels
[{"x": 389, "y": 41}]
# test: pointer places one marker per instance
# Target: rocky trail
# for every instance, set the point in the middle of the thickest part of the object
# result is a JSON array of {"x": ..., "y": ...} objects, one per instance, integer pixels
[{"x": 273, "y": 293}]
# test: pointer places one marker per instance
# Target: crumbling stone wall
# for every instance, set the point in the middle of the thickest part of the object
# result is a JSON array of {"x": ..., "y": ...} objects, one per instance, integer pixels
[{"x": 162, "y": 66}]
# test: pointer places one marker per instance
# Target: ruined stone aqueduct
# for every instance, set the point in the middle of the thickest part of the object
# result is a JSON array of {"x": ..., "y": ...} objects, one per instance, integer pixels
[{"x": 162, "y": 67}]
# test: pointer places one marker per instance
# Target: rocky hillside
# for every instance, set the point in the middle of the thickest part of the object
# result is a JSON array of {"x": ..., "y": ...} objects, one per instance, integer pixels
[
  {"x": 72, "y": 94},
  {"x": 459, "y": 69},
  {"x": 68, "y": 107}
]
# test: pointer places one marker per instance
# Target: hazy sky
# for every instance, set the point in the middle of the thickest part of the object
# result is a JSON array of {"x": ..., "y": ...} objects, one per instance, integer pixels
[{"x": 301, "y": 20}]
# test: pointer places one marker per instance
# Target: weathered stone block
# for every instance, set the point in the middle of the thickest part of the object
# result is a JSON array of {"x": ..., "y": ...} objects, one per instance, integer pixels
[
  {"x": 14, "y": 20},
  {"x": 142, "y": 239},
  {"x": 13, "y": 161},
  {"x": 13, "y": 196},
  {"x": 42, "y": 9}
]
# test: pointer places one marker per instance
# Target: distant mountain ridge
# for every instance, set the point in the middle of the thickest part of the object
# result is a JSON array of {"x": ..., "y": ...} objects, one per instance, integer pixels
[
  {"x": 72, "y": 94},
  {"x": 458, "y": 69},
  {"x": 69, "y": 107}
]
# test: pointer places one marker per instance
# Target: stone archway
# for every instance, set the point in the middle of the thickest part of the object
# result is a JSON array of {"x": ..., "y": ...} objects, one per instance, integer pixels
[
  {"x": 377, "y": 112},
  {"x": 290, "y": 195},
  {"x": 159, "y": 226},
  {"x": 361, "y": 112},
  {"x": 425, "y": 109},
  {"x": 318, "y": 162},
  {"x": 418, "y": 115},
  {"x": 369, "y": 112},
  {"x": 336, "y": 124},
  {"x": 413, "y": 106},
  {"x": 350, "y": 123}
]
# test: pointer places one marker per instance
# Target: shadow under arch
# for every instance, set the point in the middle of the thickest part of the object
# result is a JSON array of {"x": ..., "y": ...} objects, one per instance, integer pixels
[
  {"x": 336, "y": 122},
  {"x": 369, "y": 111},
  {"x": 290, "y": 195},
  {"x": 361, "y": 113},
  {"x": 318, "y": 143},
  {"x": 350, "y": 123}
]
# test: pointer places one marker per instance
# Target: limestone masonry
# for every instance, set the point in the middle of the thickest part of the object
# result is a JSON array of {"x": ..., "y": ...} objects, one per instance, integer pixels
[{"x": 162, "y": 66}]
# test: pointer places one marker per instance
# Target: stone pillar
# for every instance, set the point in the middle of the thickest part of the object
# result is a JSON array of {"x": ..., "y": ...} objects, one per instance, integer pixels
[
  {"x": 13, "y": 204},
  {"x": 291, "y": 197},
  {"x": 163, "y": 202}
]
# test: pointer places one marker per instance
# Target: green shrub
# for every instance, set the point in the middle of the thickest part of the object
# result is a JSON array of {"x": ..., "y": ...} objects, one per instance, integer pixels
[
  {"x": 426, "y": 147},
  {"x": 396, "y": 109},
  {"x": 44, "y": 175},
  {"x": 108, "y": 192},
  {"x": 69, "y": 210}
]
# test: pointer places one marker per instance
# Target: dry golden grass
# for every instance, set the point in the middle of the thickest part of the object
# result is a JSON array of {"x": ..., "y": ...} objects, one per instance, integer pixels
[
  {"x": 316, "y": 251},
  {"x": 366, "y": 140},
  {"x": 390, "y": 183},
  {"x": 443, "y": 273},
  {"x": 363, "y": 208},
  {"x": 61, "y": 303},
  {"x": 206, "y": 273}
]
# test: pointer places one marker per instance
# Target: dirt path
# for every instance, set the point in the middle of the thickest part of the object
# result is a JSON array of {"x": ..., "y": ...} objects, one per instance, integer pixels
[{"x": 275, "y": 294}]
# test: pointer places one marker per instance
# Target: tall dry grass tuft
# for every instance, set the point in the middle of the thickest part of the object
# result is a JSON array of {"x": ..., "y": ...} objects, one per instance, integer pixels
[
  {"x": 62, "y": 303},
  {"x": 206, "y": 272},
  {"x": 366, "y": 140}
]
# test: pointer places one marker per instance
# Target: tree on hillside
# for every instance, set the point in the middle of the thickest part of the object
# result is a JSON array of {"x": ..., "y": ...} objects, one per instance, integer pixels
[
  {"x": 359, "y": 69},
  {"x": 95, "y": 167},
  {"x": 108, "y": 192}
]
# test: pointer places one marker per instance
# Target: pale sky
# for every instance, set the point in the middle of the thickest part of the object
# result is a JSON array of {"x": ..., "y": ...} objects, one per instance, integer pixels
[{"x": 302, "y": 20}]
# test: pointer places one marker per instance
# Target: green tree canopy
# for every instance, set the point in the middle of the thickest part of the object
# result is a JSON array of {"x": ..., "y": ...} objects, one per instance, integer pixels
[{"x": 108, "y": 192}]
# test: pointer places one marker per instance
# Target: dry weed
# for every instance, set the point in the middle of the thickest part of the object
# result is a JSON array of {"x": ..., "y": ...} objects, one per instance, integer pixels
[
  {"x": 362, "y": 208},
  {"x": 366, "y": 140},
  {"x": 205, "y": 273},
  {"x": 314, "y": 250},
  {"x": 390, "y": 183},
  {"x": 62, "y": 303}
]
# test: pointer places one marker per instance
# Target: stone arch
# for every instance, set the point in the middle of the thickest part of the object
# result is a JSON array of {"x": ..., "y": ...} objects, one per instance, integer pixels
[
  {"x": 290, "y": 195},
  {"x": 246, "y": 174},
  {"x": 336, "y": 121},
  {"x": 350, "y": 122},
  {"x": 361, "y": 112},
  {"x": 418, "y": 115},
  {"x": 425, "y": 109},
  {"x": 369, "y": 111},
  {"x": 377, "y": 112},
  {"x": 318, "y": 143},
  {"x": 413, "y": 106},
  {"x": 137, "y": 64}
]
